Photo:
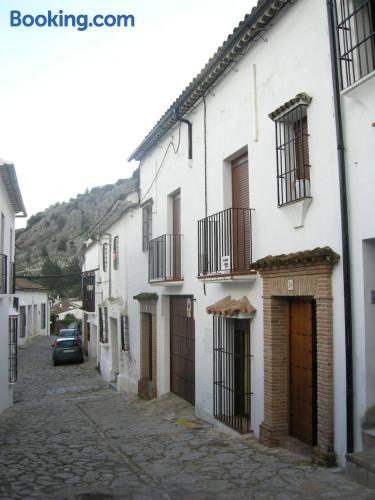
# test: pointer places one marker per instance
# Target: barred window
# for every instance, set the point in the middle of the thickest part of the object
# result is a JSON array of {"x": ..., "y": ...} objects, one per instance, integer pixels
[
  {"x": 105, "y": 257},
  {"x": 115, "y": 252},
  {"x": 4, "y": 273},
  {"x": 356, "y": 38},
  {"x": 103, "y": 325},
  {"x": 125, "y": 333},
  {"x": 12, "y": 367},
  {"x": 232, "y": 372},
  {"x": 43, "y": 316},
  {"x": 293, "y": 160},
  {"x": 22, "y": 321},
  {"x": 146, "y": 226}
]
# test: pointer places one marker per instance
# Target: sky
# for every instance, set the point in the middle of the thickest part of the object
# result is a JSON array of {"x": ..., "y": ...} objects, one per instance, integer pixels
[{"x": 75, "y": 104}]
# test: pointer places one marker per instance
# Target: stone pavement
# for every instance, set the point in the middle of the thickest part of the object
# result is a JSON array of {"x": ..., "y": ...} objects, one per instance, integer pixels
[{"x": 70, "y": 437}]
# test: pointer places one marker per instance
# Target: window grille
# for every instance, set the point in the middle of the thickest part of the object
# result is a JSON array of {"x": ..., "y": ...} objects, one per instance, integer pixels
[
  {"x": 103, "y": 325},
  {"x": 115, "y": 252},
  {"x": 356, "y": 39},
  {"x": 4, "y": 273},
  {"x": 22, "y": 321},
  {"x": 105, "y": 257},
  {"x": 292, "y": 152},
  {"x": 12, "y": 277},
  {"x": 125, "y": 333},
  {"x": 12, "y": 365},
  {"x": 146, "y": 226},
  {"x": 88, "y": 292},
  {"x": 43, "y": 316},
  {"x": 232, "y": 372}
]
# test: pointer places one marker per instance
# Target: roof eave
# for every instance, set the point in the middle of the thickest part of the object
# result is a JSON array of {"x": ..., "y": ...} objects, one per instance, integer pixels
[
  {"x": 9, "y": 178},
  {"x": 247, "y": 30}
]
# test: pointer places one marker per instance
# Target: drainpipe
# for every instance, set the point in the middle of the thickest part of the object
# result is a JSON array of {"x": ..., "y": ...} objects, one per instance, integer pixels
[
  {"x": 344, "y": 228},
  {"x": 190, "y": 132},
  {"x": 109, "y": 266}
]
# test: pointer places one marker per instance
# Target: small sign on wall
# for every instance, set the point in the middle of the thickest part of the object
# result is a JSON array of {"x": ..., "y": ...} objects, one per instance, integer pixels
[
  {"x": 372, "y": 296},
  {"x": 290, "y": 285}
]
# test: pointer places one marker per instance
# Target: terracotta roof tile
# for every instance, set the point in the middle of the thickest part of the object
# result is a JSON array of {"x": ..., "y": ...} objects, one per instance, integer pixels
[
  {"x": 232, "y": 307},
  {"x": 317, "y": 255}
]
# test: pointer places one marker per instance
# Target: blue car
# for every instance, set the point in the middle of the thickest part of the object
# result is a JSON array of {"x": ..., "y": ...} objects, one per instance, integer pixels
[{"x": 67, "y": 349}]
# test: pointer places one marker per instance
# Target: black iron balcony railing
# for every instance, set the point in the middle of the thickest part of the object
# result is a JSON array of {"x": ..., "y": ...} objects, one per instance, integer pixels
[
  {"x": 88, "y": 292},
  {"x": 225, "y": 242},
  {"x": 165, "y": 258},
  {"x": 12, "y": 350},
  {"x": 4, "y": 273},
  {"x": 12, "y": 277}
]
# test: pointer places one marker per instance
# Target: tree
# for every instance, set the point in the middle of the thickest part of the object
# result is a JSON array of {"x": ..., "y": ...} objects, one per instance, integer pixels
[
  {"x": 53, "y": 271},
  {"x": 61, "y": 245}
]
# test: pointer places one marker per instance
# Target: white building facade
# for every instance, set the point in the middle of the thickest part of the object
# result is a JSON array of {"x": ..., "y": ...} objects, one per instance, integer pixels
[
  {"x": 355, "y": 85},
  {"x": 33, "y": 310},
  {"x": 11, "y": 205},
  {"x": 233, "y": 281},
  {"x": 107, "y": 269}
]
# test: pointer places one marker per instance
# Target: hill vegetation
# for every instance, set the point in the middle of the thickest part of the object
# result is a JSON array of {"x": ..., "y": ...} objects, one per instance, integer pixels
[{"x": 51, "y": 242}]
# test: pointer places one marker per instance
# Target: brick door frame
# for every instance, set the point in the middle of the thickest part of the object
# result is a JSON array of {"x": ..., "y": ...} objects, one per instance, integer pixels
[
  {"x": 147, "y": 388},
  {"x": 311, "y": 279}
]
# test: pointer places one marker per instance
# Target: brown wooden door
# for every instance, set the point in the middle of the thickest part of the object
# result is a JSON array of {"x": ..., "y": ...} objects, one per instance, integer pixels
[
  {"x": 149, "y": 346},
  {"x": 240, "y": 217},
  {"x": 302, "y": 404},
  {"x": 176, "y": 238},
  {"x": 182, "y": 327}
]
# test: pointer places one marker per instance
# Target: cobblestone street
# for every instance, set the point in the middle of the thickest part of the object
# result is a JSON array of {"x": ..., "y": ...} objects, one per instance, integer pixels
[{"x": 70, "y": 437}]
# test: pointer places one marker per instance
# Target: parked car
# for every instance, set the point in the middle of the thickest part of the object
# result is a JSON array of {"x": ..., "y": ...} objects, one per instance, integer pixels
[
  {"x": 67, "y": 333},
  {"x": 67, "y": 349}
]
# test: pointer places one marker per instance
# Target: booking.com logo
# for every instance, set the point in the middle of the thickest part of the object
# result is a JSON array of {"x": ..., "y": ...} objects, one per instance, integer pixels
[{"x": 80, "y": 21}]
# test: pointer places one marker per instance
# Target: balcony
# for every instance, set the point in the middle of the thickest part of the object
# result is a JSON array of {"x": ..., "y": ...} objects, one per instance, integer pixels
[
  {"x": 225, "y": 246},
  {"x": 12, "y": 277},
  {"x": 4, "y": 273},
  {"x": 88, "y": 292},
  {"x": 164, "y": 260}
]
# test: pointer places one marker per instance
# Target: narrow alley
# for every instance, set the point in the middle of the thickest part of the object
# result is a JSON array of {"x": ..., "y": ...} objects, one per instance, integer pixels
[{"x": 68, "y": 436}]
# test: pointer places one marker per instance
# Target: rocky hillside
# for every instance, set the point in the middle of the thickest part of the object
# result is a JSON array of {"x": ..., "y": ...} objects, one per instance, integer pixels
[{"x": 57, "y": 234}]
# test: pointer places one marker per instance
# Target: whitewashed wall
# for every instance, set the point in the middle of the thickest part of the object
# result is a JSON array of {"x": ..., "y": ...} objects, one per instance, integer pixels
[
  {"x": 6, "y": 301},
  {"x": 91, "y": 263},
  {"x": 284, "y": 67},
  {"x": 358, "y": 104},
  {"x": 32, "y": 300}
]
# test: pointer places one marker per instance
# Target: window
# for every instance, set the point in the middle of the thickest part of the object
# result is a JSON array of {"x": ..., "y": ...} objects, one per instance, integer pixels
[
  {"x": 356, "y": 38},
  {"x": 12, "y": 353},
  {"x": 43, "y": 316},
  {"x": 124, "y": 333},
  {"x": 103, "y": 325},
  {"x": 146, "y": 226},
  {"x": 88, "y": 292},
  {"x": 232, "y": 372},
  {"x": 115, "y": 252},
  {"x": 105, "y": 257},
  {"x": 292, "y": 150},
  {"x": 22, "y": 321},
  {"x": 4, "y": 273}
]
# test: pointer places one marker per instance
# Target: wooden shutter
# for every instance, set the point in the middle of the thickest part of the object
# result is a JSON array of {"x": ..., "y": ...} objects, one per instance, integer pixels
[
  {"x": 240, "y": 215},
  {"x": 240, "y": 182},
  {"x": 146, "y": 226},
  {"x": 302, "y": 149},
  {"x": 177, "y": 213}
]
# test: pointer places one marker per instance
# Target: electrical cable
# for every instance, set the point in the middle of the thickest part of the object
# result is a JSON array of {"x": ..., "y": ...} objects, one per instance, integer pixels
[
  {"x": 29, "y": 277},
  {"x": 175, "y": 150}
]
